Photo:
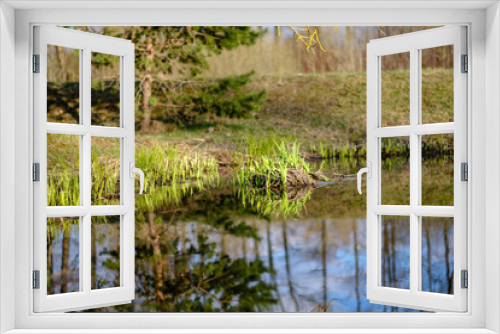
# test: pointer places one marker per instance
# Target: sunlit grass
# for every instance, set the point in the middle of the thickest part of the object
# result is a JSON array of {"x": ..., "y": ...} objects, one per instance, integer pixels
[
  {"x": 170, "y": 175},
  {"x": 271, "y": 171},
  {"x": 63, "y": 170},
  {"x": 268, "y": 203}
]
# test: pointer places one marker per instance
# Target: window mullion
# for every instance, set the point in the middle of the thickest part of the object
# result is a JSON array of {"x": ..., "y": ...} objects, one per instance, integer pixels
[
  {"x": 86, "y": 165},
  {"x": 414, "y": 170},
  {"x": 81, "y": 229}
]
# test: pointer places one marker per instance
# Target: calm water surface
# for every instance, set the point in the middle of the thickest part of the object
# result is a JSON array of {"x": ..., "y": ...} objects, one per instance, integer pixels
[{"x": 216, "y": 251}]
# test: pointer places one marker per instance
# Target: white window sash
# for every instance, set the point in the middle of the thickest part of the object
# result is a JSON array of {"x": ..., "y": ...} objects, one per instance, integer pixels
[
  {"x": 414, "y": 298},
  {"x": 473, "y": 321},
  {"x": 85, "y": 298}
]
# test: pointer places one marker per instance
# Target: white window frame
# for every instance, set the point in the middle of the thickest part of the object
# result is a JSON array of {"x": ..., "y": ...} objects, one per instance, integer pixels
[
  {"x": 86, "y": 43},
  {"x": 483, "y": 21},
  {"x": 414, "y": 43}
]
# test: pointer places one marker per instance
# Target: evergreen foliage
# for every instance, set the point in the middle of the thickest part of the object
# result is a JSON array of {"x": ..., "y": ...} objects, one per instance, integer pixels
[
  {"x": 164, "y": 51},
  {"x": 224, "y": 97}
]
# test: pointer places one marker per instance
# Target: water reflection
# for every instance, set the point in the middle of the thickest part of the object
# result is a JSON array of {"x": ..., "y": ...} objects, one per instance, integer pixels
[
  {"x": 63, "y": 256},
  {"x": 436, "y": 249},
  {"x": 211, "y": 251},
  {"x": 395, "y": 252}
]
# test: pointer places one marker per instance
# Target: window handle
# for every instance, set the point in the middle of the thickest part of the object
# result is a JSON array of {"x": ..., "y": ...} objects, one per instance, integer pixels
[
  {"x": 133, "y": 170},
  {"x": 368, "y": 171}
]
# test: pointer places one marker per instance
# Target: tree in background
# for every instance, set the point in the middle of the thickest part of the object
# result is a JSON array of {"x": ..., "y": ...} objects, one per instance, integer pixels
[
  {"x": 183, "y": 51},
  {"x": 169, "y": 61}
]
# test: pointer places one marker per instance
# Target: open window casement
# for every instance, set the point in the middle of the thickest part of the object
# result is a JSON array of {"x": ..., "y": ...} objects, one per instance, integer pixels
[
  {"x": 415, "y": 288},
  {"x": 78, "y": 214}
]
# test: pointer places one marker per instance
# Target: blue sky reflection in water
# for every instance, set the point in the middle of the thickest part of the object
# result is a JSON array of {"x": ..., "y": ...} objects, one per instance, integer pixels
[{"x": 316, "y": 259}]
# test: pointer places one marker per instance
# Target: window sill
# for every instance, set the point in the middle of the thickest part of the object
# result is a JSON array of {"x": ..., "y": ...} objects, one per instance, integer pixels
[{"x": 248, "y": 331}]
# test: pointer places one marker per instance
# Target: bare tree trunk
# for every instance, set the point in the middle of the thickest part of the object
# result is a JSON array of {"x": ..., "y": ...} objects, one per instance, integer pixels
[
  {"x": 260, "y": 44},
  {"x": 223, "y": 251},
  {"x": 183, "y": 235},
  {"x": 271, "y": 265},
  {"x": 256, "y": 243},
  {"x": 429, "y": 259},
  {"x": 288, "y": 270},
  {"x": 63, "y": 64},
  {"x": 323, "y": 257},
  {"x": 276, "y": 35},
  {"x": 147, "y": 85},
  {"x": 393, "y": 251},
  {"x": 387, "y": 257},
  {"x": 356, "y": 264},
  {"x": 386, "y": 262},
  {"x": 449, "y": 273},
  {"x": 393, "y": 256},
  {"x": 349, "y": 47},
  {"x": 65, "y": 263},
  {"x": 50, "y": 251},
  {"x": 157, "y": 256},
  {"x": 93, "y": 259},
  {"x": 244, "y": 246}
]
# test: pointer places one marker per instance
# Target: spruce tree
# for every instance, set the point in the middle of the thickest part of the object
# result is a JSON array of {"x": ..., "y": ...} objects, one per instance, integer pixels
[{"x": 163, "y": 51}]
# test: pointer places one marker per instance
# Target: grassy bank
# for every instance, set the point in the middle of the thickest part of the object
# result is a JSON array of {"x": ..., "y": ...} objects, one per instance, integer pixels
[
  {"x": 305, "y": 118},
  {"x": 325, "y": 114}
]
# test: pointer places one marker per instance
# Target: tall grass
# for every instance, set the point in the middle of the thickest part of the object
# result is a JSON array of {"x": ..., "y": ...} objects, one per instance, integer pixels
[
  {"x": 63, "y": 185},
  {"x": 271, "y": 171},
  {"x": 170, "y": 175},
  {"x": 340, "y": 151},
  {"x": 269, "y": 203},
  {"x": 63, "y": 178}
]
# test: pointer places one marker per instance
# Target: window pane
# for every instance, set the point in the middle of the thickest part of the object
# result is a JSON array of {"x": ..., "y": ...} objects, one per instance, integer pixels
[
  {"x": 105, "y": 252},
  {"x": 395, "y": 172},
  {"x": 105, "y": 96},
  {"x": 63, "y": 255},
  {"x": 63, "y": 85},
  {"x": 437, "y": 255},
  {"x": 437, "y": 170},
  {"x": 63, "y": 170},
  {"x": 395, "y": 89},
  {"x": 437, "y": 84},
  {"x": 105, "y": 171},
  {"x": 395, "y": 241}
]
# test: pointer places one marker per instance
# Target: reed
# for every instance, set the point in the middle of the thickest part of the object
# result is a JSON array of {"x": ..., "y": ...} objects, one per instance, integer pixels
[
  {"x": 170, "y": 175},
  {"x": 268, "y": 203},
  {"x": 271, "y": 171}
]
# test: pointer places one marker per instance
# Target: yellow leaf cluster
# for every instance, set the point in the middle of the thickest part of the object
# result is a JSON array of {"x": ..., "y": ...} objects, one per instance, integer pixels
[{"x": 309, "y": 36}]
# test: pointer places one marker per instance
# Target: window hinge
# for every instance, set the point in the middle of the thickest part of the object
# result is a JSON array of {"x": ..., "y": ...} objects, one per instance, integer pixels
[
  {"x": 36, "y": 172},
  {"x": 465, "y": 279},
  {"x": 465, "y": 64},
  {"x": 464, "y": 171},
  {"x": 36, "y": 63},
  {"x": 36, "y": 279}
]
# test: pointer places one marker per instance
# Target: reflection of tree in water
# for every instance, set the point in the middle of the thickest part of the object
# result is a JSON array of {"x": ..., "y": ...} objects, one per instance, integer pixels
[
  {"x": 105, "y": 252},
  {"x": 182, "y": 267},
  {"x": 207, "y": 251},
  {"x": 437, "y": 255},
  {"x": 288, "y": 269},
  {"x": 356, "y": 263},
  {"x": 395, "y": 253},
  {"x": 276, "y": 202},
  {"x": 200, "y": 279},
  {"x": 62, "y": 260}
]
